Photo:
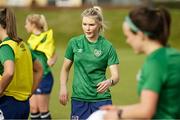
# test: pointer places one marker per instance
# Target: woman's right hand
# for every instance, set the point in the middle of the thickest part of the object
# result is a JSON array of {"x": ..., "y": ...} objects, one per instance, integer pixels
[
  {"x": 51, "y": 61},
  {"x": 63, "y": 95}
]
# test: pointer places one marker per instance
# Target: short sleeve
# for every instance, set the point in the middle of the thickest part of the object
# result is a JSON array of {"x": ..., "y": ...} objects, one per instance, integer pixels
[
  {"x": 6, "y": 53},
  {"x": 33, "y": 56},
  {"x": 69, "y": 54},
  {"x": 112, "y": 57},
  {"x": 153, "y": 76}
]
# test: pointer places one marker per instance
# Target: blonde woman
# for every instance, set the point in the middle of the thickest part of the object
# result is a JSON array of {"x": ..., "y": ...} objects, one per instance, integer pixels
[
  {"x": 91, "y": 54},
  {"x": 41, "y": 43}
]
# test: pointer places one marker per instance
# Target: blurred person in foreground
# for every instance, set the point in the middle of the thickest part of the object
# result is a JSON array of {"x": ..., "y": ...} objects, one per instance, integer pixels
[
  {"x": 20, "y": 72},
  {"x": 41, "y": 43},
  {"x": 147, "y": 31},
  {"x": 91, "y": 54}
]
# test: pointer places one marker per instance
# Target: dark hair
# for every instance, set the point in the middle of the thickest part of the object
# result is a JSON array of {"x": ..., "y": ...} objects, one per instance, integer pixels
[
  {"x": 8, "y": 22},
  {"x": 156, "y": 21}
]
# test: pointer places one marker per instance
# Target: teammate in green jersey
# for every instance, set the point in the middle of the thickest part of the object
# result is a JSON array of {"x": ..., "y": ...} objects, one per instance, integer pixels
[
  {"x": 41, "y": 43},
  {"x": 17, "y": 70},
  {"x": 147, "y": 31},
  {"x": 91, "y": 54}
]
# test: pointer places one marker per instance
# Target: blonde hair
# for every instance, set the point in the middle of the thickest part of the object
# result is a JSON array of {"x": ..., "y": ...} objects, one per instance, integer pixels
[
  {"x": 39, "y": 21},
  {"x": 96, "y": 13}
]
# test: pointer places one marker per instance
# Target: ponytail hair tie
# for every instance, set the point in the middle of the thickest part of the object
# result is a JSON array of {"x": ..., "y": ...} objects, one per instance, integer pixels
[{"x": 134, "y": 28}]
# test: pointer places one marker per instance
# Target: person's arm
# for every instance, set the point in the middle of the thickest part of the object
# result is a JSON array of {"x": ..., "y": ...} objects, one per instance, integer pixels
[
  {"x": 51, "y": 61},
  {"x": 143, "y": 110},
  {"x": 114, "y": 74},
  {"x": 63, "y": 94},
  {"x": 7, "y": 75},
  {"x": 7, "y": 59},
  {"x": 37, "y": 74},
  {"x": 104, "y": 85}
]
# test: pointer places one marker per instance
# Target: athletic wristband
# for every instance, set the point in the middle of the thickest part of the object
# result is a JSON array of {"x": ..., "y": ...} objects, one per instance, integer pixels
[{"x": 119, "y": 113}]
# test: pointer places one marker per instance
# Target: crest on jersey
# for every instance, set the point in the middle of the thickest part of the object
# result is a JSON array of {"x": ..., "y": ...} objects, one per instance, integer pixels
[
  {"x": 138, "y": 76},
  {"x": 80, "y": 50},
  {"x": 97, "y": 52}
]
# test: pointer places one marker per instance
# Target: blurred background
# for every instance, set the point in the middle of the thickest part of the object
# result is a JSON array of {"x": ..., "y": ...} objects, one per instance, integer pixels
[
  {"x": 78, "y": 3},
  {"x": 63, "y": 16}
]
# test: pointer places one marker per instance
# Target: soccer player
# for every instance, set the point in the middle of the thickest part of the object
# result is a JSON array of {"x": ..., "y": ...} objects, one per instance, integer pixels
[
  {"x": 147, "y": 31},
  {"x": 17, "y": 70},
  {"x": 91, "y": 54},
  {"x": 41, "y": 42}
]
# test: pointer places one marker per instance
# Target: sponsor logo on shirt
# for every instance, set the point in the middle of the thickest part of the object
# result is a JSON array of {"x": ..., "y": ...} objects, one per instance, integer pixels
[{"x": 97, "y": 52}]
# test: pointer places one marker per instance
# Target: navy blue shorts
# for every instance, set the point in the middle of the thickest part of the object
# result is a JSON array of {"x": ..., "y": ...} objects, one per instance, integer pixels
[
  {"x": 46, "y": 84},
  {"x": 82, "y": 110},
  {"x": 10, "y": 108}
]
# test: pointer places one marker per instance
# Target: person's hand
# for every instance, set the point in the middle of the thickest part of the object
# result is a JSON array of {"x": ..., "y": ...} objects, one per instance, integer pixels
[
  {"x": 108, "y": 107},
  {"x": 51, "y": 62},
  {"x": 111, "y": 115},
  {"x": 112, "y": 112},
  {"x": 103, "y": 86},
  {"x": 63, "y": 95}
]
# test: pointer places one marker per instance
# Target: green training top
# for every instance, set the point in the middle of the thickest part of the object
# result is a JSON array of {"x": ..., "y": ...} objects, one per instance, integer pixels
[
  {"x": 161, "y": 74},
  {"x": 41, "y": 57},
  {"x": 20, "y": 86},
  {"x": 6, "y": 53},
  {"x": 36, "y": 43},
  {"x": 90, "y": 63}
]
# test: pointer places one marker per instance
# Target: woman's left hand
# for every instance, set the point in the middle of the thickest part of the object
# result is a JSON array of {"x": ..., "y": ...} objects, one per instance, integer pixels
[
  {"x": 103, "y": 86},
  {"x": 111, "y": 115},
  {"x": 112, "y": 112}
]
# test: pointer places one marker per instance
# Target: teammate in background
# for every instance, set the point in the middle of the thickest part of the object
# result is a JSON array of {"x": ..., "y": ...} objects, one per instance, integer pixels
[
  {"x": 41, "y": 42},
  {"x": 91, "y": 54},
  {"x": 147, "y": 31},
  {"x": 16, "y": 70}
]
